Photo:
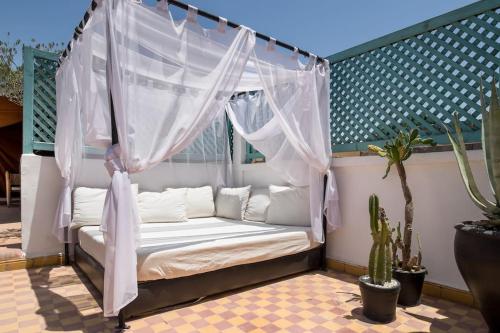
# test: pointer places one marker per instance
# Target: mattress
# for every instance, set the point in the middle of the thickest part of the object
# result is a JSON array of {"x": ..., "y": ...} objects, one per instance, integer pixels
[{"x": 172, "y": 250}]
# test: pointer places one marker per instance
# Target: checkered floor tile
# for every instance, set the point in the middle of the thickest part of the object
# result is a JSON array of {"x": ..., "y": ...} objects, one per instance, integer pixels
[{"x": 60, "y": 299}]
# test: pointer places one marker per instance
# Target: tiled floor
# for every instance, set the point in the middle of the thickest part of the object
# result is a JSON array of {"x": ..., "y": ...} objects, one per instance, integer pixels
[
  {"x": 10, "y": 231},
  {"x": 59, "y": 299}
]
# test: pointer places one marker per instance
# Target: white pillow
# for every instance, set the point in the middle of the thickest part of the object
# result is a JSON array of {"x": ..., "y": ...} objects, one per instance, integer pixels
[
  {"x": 88, "y": 204},
  {"x": 289, "y": 206},
  {"x": 257, "y": 205},
  {"x": 199, "y": 201},
  {"x": 232, "y": 202},
  {"x": 167, "y": 206}
]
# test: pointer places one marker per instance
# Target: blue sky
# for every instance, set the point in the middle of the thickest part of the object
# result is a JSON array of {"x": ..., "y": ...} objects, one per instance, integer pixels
[{"x": 323, "y": 27}]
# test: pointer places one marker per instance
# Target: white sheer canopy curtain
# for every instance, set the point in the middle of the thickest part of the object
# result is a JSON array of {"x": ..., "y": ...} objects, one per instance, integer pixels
[
  {"x": 169, "y": 81},
  {"x": 288, "y": 122},
  {"x": 68, "y": 142},
  {"x": 299, "y": 99},
  {"x": 82, "y": 110}
]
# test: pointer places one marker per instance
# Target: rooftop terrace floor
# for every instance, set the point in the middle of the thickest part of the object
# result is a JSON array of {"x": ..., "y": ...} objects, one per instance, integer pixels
[
  {"x": 10, "y": 231},
  {"x": 62, "y": 299}
]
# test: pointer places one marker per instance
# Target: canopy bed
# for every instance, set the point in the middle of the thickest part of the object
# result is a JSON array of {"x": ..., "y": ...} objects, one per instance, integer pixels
[{"x": 148, "y": 89}]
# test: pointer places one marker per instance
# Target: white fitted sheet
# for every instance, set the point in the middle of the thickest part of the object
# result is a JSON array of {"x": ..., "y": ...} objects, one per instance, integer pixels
[{"x": 177, "y": 249}]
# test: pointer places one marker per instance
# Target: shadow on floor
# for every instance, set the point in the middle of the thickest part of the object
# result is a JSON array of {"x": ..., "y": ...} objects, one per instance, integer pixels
[
  {"x": 450, "y": 322},
  {"x": 445, "y": 315},
  {"x": 59, "y": 312},
  {"x": 10, "y": 232}
]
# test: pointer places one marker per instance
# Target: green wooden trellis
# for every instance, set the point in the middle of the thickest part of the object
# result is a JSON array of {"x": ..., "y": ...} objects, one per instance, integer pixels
[
  {"x": 39, "y": 100},
  {"x": 416, "y": 77}
]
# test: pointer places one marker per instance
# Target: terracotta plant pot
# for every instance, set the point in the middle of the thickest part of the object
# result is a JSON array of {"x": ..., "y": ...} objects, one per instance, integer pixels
[
  {"x": 477, "y": 252},
  {"x": 411, "y": 286},
  {"x": 379, "y": 302}
]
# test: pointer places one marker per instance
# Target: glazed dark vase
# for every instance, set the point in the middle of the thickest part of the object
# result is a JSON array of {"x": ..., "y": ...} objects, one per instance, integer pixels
[
  {"x": 477, "y": 252},
  {"x": 379, "y": 303},
  {"x": 411, "y": 286}
]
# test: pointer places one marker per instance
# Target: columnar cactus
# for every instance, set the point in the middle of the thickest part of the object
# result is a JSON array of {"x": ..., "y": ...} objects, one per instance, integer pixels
[
  {"x": 380, "y": 262},
  {"x": 491, "y": 148}
]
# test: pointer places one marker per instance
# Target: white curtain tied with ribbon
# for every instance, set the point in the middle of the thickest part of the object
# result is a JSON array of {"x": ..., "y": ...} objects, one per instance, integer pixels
[{"x": 170, "y": 83}]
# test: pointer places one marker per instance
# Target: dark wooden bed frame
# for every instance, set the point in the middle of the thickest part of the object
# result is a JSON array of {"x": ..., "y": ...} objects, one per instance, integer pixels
[
  {"x": 160, "y": 294},
  {"x": 164, "y": 293}
]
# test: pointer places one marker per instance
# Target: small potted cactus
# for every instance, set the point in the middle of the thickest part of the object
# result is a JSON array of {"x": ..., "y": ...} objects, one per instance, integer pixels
[
  {"x": 477, "y": 243},
  {"x": 408, "y": 270},
  {"x": 379, "y": 291}
]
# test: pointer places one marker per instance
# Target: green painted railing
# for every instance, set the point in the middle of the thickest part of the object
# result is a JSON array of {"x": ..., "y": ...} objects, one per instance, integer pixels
[
  {"x": 39, "y": 100},
  {"x": 416, "y": 77}
]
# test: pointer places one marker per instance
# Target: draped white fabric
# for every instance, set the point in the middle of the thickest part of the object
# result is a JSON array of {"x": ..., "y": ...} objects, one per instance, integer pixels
[
  {"x": 120, "y": 230},
  {"x": 68, "y": 145},
  {"x": 170, "y": 82},
  {"x": 253, "y": 117},
  {"x": 82, "y": 110},
  {"x": 167, "y": 86}
]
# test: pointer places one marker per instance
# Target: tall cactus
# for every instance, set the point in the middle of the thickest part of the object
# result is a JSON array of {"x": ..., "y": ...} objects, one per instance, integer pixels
[
  {"x": 397, "y": 151},
  {"x": 491, "y": 147},
  {"x": 380, "y": 262}
]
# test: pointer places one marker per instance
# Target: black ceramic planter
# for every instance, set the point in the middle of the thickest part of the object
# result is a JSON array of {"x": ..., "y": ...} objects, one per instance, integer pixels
[
  {"x": 477, "y": 252},
  {"x": 411, "y": 286},
  {"x": 379, "y": 303}
]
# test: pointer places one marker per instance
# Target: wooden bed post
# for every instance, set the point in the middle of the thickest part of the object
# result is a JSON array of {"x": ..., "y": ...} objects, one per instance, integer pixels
[
  {"x": 122, "y": 325},
  {"x": 121, "y": 322},
  {"x": 324, "y": 265},
  {"x": 66, "y": 247}
]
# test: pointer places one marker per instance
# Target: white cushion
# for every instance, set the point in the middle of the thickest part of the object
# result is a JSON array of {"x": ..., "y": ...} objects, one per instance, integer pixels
[
  {"x": 88, "y": 204},
  {"x": 232, "y": 202},
  {"x": 199, "y": 201},
  {"x": 289, "y": 206},
  {"x": 257, "y": 205},
  {"x": 167, "y": 206}
]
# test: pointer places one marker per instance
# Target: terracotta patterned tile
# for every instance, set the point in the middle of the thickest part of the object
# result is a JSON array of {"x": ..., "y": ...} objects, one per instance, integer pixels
[{"x": 61, "y": 299}]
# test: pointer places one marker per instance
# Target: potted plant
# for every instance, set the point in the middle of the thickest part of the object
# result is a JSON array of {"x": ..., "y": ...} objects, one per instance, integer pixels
[
  {"x": 409, "y": 270},
  {"x": 477, "y": 243},
  {"x": 379, "y": 291}
]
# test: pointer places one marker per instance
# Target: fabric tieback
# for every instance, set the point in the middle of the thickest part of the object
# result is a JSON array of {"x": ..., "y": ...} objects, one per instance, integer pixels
[
  {"x": 221, "y": 27},
  {"x": 192, "y": 14},
  {"x": 271, "y": 45},
  {"x": 331, "y": 204},
  {"x": 120, "y": 227}
]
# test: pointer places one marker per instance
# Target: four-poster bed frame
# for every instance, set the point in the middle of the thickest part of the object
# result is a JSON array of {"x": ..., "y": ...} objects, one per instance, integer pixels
[
  {"x": 164, "y": 293},
  {"x": 160, "y": 294}
]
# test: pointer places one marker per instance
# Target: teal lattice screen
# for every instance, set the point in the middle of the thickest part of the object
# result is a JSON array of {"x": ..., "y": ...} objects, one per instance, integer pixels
[
  {"x": 416, "y": 77},
  {"x": 39, "y": 100}
]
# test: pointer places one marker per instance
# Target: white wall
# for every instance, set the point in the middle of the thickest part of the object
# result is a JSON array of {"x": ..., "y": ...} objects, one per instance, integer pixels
[
  {"x": 439, "y": 197},
  {"x": 40, "y": 186},
  {"x": 41, "y": 183}
]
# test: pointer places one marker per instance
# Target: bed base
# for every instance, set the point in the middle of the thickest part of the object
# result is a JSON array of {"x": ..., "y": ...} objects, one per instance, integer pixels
[{"x": 158, "y": 294}]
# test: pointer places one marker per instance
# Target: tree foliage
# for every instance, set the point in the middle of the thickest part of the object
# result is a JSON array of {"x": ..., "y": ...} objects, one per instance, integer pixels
[{"x": 11, "y": 67}]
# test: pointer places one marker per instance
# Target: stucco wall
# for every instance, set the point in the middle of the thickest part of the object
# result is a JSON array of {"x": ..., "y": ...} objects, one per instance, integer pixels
[{"x": 439, "y": 196}]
